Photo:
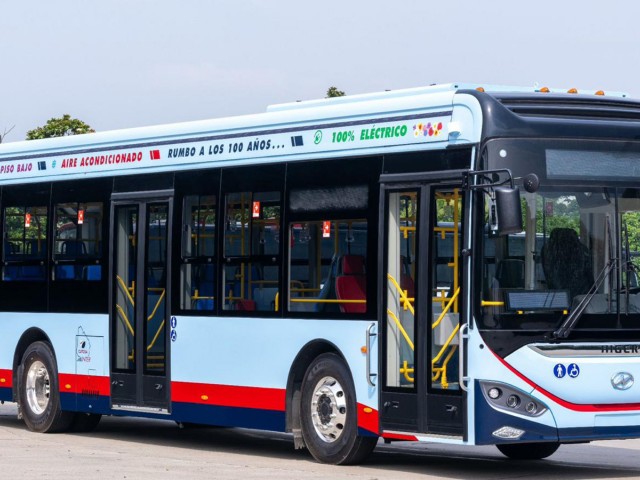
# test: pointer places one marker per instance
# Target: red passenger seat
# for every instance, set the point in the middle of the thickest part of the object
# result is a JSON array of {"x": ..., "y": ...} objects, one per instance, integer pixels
[{"x": 351, "y": 284}]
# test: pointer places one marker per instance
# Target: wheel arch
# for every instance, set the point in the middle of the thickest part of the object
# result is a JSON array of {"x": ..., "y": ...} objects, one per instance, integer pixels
[
  {"x": 301, "y": 363},
  {"x": 30, "y": 336}
]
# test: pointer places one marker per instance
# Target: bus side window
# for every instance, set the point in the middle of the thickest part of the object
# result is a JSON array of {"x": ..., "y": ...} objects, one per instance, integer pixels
[
  {"x": 328, "y": 251},
  {"x": 197, "y": 270},
  {"x": 25, "y": 243},
  {"x": 77, "y": 246},
  {"x": 251, "y": 272}
]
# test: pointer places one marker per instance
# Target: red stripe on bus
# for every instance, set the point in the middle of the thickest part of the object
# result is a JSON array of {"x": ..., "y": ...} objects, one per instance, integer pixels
[
  {"x": 6, "y": 378},
  {"x": 368, "y": 419},
  {"x": 229, "y": 395},
  {"x": 85, "y": 384},
  {"x": 206, "y": 394},
  {"x": 399, "y": 436},
  {"x": 578, "y": 407}
]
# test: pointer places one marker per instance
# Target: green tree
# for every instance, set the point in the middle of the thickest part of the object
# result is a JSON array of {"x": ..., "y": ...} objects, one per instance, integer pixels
[
  {"x": 60, "y": 127},
  {"x": 334, "y": 92}
]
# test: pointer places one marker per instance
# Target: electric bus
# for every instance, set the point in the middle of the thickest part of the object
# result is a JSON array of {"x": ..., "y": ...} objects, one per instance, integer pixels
[{"x": 449, "y": 264}]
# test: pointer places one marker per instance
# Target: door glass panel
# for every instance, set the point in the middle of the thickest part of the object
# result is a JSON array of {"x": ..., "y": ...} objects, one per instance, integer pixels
[
  {"x": 401, "y": 291},
  {"x": 125, "y": 262},
  {"x": 445, "y": 281},
  {"x": 156, "y": 293}
]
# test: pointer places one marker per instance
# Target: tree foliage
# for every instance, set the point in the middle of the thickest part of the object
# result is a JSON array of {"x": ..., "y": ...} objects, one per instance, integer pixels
[
  {"x": 60, "y": 127},
  {"x": 334, "y": 92}
]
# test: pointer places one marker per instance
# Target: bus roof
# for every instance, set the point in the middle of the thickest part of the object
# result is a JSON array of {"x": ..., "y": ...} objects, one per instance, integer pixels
[{"x": 386, "y": 122}]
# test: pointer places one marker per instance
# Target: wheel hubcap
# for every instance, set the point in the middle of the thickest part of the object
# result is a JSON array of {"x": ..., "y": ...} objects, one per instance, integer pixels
[
  {"x": 329, "y": 409},
  {"x": 38, "y": 387}
]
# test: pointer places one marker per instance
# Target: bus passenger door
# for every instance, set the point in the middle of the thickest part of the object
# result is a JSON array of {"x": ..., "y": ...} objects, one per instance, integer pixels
[
  {"x": 140, "y": 279},
  {"x": 421, "y": 311}
]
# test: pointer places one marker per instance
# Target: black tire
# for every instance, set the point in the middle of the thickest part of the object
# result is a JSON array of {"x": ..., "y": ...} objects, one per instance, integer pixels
[
  {"x": 85, "y": 422},
  {"x": 39, "y": 392},
  {"x": 528, "y": 451},
  {"x": 336, "y": 440}
]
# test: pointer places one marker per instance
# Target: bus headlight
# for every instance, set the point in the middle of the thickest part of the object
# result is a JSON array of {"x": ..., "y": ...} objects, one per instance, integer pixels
[
  {"x": 513, "y": 401},
  {"x": 531, "y": 408},
  {"x": 494, "y": 393},
  {"x": 509, "y": 399}
]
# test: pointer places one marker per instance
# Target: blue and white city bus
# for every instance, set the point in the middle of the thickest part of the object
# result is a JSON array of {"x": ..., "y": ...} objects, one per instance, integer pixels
[{"x": 445, "y": 264}]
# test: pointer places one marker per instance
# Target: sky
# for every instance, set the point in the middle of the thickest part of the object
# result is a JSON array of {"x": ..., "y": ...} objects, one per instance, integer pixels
[{"x": 128, "y": 63}]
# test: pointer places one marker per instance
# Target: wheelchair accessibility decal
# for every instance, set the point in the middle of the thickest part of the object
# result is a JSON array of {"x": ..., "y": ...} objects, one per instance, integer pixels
[
  {"x": 572, "y": 370},
  {"x": 173, "y": 334}
]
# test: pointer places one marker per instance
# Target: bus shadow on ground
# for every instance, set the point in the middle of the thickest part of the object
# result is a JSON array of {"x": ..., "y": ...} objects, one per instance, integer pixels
[{"x": 455, "y": 462}]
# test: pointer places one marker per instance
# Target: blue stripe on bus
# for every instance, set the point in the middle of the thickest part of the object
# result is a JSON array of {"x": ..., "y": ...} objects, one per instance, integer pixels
[
  {"x": 598, "y": 433},
  {"x": 229, "y": 416},
  {"x": 6, "y": 394},
  {"x": 183, "y": 412}
]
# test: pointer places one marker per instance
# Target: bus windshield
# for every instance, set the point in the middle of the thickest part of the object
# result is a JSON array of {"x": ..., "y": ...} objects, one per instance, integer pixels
[{"x": 579, "y": 251}]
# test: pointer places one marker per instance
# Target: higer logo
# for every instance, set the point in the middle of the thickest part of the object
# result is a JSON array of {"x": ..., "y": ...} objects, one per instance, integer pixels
[{"x": 622, "y": 381}]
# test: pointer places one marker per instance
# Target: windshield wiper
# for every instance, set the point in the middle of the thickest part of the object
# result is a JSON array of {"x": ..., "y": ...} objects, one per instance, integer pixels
[{"x": 568, "y": 325}]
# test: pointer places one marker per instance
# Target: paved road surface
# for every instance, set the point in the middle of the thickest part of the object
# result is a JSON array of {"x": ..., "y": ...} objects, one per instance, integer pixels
[{"x": 123, "y": 448}]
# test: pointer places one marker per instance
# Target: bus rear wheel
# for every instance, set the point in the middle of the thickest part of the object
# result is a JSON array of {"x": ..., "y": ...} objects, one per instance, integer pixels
[
  {"x": 329, "y": 414},
  {"x": 528, "y": 451},
  {"x": 39, "y": 392}
]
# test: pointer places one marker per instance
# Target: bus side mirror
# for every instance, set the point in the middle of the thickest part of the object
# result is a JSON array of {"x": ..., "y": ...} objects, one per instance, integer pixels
[{"x": 506, "y": 214}]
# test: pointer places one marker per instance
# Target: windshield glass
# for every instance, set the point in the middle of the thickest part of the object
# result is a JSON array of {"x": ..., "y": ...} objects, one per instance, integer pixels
[{"x": 576, "y": 241}]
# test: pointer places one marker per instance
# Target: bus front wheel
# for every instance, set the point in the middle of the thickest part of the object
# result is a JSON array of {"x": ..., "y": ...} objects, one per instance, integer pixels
[
  {"x": 39, "y": 392},
  {"x": 329, "y": 413},
  {"x": 528, "y": 451}
]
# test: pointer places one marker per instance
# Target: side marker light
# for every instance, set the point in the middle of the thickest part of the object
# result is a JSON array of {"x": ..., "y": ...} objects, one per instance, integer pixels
[{"x": 508, "y": 433}]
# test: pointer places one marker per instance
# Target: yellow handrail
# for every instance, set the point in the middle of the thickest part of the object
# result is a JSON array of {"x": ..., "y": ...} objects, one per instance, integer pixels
[
  {"x": 446, "y": 309},
  {"x": 150, "y": 346},
  {"x": 324, "y": 300},
  {"x": 454, "y": 332},
  {"x": 442, "y": 371},
  {"x": 491, "y": 303},
  {"x": 404, "y": 295},
  {"x": 125, "y": 289},
  {"x": 405, "y": 370},
  {"x": 402, "y": 330},
  {"x": 157, "y": 304},
  {"x": 196, "y": 296},
  {"x": 123, "y": 316}
]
